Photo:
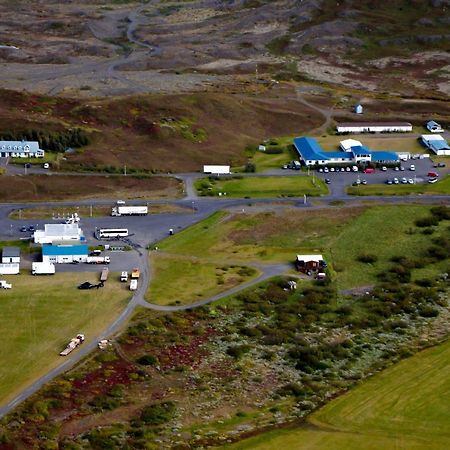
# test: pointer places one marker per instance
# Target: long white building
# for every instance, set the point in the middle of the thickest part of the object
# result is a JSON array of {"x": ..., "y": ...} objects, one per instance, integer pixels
[
  {"x": 374, "y": 127},
  {"x": 21, "y": 149},
  {"x": 59, "y": 232}
]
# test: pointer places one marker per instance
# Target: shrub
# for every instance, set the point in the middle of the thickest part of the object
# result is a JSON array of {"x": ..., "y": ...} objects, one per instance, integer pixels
[
  {"x": 427, "y": 222},
  {"x": 237, "y": 351},
  {"x": 147, "y": 360},
  {"x": 441, "y": 212},
  {"x": 250, "y": 167},
  {"x": 428, "y": 311},
  {"x": 367, "y": 258},
  {"x": 158, "y": 413}
]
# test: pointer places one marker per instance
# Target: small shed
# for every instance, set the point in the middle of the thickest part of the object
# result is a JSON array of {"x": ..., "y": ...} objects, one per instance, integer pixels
[
  {"x": 11, "y": 255},
  {"x": 358, "y": 109},
  {"x": 310, "y": 263},
  {"x": 434, "y": 127}
]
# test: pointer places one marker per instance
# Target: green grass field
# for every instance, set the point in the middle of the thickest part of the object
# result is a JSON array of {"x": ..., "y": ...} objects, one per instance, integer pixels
[
  {"x": 341, "y": 235},
  {"x": 405, "y": 407},
  {"x": 286, "y": 186},
  {"x": 183, "y": 280},
  {"x": 441, "y": 187},
  {"x": 39, "y": 315}
]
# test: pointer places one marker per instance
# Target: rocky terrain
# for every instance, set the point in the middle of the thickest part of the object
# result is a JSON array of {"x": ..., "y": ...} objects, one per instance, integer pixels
[{"x": 90, "y": 47}]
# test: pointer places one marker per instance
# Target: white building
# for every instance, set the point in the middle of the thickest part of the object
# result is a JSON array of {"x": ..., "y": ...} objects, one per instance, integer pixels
[
  {"x": 11, "y": 255},
  {"x": 434, "y": 127},
  {"x": 20, "y": 149},
  {"x": 9, "y": 269},
  {"x": 63, "y": 254},
  {"x": 58, "y": 232},
  {"x": 436, "y": 143},
  {"x": 217, "y": 170},
  {"x": 347, "y": 144},
  {"x": 374, "y": 127}
]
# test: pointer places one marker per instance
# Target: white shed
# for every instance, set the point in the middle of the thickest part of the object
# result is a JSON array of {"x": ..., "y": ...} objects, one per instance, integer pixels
[
  {"x": 216, "y": 170},
  {"x": 58, "y": 232},
  {"x": 9, "y": 269}
]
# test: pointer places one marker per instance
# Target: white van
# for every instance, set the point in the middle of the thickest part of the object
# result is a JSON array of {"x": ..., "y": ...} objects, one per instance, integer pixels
[
  {"x": 133, "y": 285},
  {"x": 124, "y": 277}
]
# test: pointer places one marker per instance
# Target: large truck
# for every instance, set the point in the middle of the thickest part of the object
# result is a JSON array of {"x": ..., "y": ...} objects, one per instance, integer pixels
[
  {"x": 98, "y": 260},
  {"x": 42, "y": 268},
  {"x": 118, "y": 211},
  {"x": 73, "y": 344}
]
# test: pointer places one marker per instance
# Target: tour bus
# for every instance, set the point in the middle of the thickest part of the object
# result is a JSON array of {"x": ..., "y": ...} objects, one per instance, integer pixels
[{"x": 111, "y": 233}]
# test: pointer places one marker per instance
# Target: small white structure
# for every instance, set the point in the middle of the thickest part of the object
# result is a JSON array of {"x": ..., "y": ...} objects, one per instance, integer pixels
[
  {"x": 347, "y": 144},
  {"x": 11, "y": 255},
  {"x": 217, "y": 170},
  {"x": 21, "y": 149},
  {"x": 436, "y": 143},
  {"x": 404, "y": 156},
  {"x": 58, "y": 232},
  {"x": 358, "y": 109},
  {"x": 434, "y": 127},
  {"x": 9, "y": 269},
  {"x": 64, "y": 254},
  {"x": 374, "y": 127},
  {"x": 261, "y": 148}
]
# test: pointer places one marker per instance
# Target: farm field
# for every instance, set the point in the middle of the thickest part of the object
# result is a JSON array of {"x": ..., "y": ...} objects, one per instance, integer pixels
[
  {"x": 73, "y": 187},
  {"x": 39, "y": 315},
  {"x": 183, "y": 280},
  {"x": 400, "y": 143},
  {"x": 405, "y": 407},
  {"x": 438, "y": 188},
  {"x": 286, "y": 186},
  {"x": 278, "y": 236}
]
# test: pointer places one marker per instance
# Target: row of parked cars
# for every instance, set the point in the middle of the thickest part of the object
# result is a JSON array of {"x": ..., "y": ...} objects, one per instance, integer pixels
[{"x": 403, "y": 180}]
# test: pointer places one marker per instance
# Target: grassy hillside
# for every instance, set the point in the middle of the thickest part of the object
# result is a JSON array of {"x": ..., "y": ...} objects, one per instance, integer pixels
[
  {"x": 158, "y": 132},
  {"x": 405, "y": 407}
]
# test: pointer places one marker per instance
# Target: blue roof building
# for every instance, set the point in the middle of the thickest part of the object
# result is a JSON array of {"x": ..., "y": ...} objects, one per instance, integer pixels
[
  {"x": 434, "y": 127},
  {"x": 64, "y": 253},
  {"x": 312, "y": 154},
  {"x": 436, "y": 143},
  {"x": 358, "y": 109}
]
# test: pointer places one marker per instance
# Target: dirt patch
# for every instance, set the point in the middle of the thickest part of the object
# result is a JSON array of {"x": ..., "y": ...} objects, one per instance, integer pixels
[{"x": 67, "y": 187}]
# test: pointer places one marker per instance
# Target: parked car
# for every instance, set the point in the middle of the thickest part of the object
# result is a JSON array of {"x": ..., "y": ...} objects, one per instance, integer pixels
[
  {"x": 321, "y": 170},
  {"x": 384, "y": 168},
  {"x": 402, "y": 168},
  {"x": 31, "y": 229},
  {"x": 412, "y": 167},
  {"x": 325, "y": 169},
  {"x": 411, "y": 181},
  {"x": 432, "y": 180},
  {"x": 432, "y": 174},
  {"x": 441, "y": 164},
  {"x": 355, "y": 168},
  {"x": 404, "y": 180},
  {"x": 23, "y": 229},
  {"x": 363, "y": 181},
  {"x": 396, "y": 168},
  {"x": 46, "y": 166},
  {"x": 395, "y": 181},
  {"x": 331, "y": 169},
  {"x": 388, "y": 181},
  {"x": 369, "y": 170},
  {"x": 342, "y": 169},
  {"x": 347, "y": 169},
  {"x": 327, "y": 181}
]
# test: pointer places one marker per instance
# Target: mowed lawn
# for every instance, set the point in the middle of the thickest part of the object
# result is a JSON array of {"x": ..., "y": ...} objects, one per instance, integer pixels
[
  {"x": 249, "y": 186},
  {"x": 38, "y": 317},
  {"x": 184, "y": 280},
  {"x": 340, "y": 234},
  {"x": 442, "y": 187},
  {"x": 406, "y": 407}
]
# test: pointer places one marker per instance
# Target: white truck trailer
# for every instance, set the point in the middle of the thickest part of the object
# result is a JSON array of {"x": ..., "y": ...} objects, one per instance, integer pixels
[
  {"x": 73, "y": 344},
  {"x": 118, "y": 211},
  {"x": 98, "y": 260},
  {"x": 42, "y": 268}
]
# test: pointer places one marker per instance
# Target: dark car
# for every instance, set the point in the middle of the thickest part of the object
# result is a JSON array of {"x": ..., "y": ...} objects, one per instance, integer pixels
[
  {"x": 23, "y": 229},
  {"x": 31, "y": 229},
  {"x": 327, "y": 181},
  {"x": 441, "y": 164}
]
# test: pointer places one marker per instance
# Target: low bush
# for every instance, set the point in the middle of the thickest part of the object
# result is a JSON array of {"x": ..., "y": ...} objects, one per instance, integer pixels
[
  {"x": 158, "y": 413},
  {"x": 367, "y": 258},
  {"x": 237, "y": 351},
  {"x": 147, "y": 360}
]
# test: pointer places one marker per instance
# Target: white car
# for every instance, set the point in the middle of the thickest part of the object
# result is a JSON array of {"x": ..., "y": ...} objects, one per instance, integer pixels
[
  {"x": 384, "y": 168},
  {"x": 395, "y": 181},
  {"x": 412, "y": 167},
  {"x": 46, "y": 166},
  {"x": 325, "y": 169},
  {"x": 331, "y": 169},
  {"x": 404, "y": 180},
  {"x": 432, "y": 180},
  {"x": 348, "y": 169},
  {"x": 355, "y": 168},
  {"x": 411, "y": 181}
]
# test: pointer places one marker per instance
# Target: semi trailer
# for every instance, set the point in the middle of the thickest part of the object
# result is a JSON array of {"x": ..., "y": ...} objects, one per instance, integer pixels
[{"x": 118, "y": 211}]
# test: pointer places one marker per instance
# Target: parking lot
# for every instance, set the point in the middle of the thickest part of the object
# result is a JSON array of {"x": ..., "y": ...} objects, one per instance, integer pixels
[{"x": 339, "y": 180}]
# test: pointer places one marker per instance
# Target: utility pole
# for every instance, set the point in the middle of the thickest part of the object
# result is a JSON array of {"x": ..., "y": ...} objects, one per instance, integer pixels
[
  {"x": 125, "y": 170},
  {"x": 304, "y": 199},
  {"x": 90, "y": 210}
]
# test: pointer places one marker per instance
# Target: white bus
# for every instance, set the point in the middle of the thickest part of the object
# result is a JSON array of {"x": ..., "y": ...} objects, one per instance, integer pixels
[{"x": 111, "y": 233}]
